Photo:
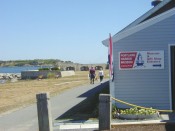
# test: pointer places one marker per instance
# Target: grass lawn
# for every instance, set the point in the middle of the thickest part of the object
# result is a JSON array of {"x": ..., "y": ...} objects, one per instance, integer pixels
[{"x": 14, "y": 95}]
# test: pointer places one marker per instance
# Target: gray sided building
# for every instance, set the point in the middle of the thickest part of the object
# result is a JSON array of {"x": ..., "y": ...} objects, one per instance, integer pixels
[{"x": 144, "y": 59}]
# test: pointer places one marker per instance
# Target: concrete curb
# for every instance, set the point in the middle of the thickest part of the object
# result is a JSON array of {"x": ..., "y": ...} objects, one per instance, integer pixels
[{"x": 68, "y": 124}]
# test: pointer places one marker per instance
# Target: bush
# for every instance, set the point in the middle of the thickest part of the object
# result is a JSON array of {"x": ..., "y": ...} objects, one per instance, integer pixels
[
  {"x": 114, "y": 110},
  {"x": 43, "y": 69},
  {"x": 52, "y": 69},
  {"x": 139, "y": 111},
  {"x": 55, "y": 68},
  {"x": 51, "y": 75}
]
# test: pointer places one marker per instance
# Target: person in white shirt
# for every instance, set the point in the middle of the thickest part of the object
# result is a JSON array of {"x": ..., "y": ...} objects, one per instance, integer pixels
[{"x": 101, "y": 75}]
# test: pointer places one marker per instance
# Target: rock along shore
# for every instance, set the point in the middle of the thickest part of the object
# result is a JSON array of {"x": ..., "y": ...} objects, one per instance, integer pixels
[{"x": 13, "y": 77}]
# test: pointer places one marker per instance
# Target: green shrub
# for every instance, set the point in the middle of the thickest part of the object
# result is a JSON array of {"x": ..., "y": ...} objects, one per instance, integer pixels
[
  {"x": 114, "y": 110},
  {"x": 52, "y": 69},
  {"x": 55, "y": 68},
  {"x": 139, "y": 111},
  {"x": 43, "y": 69},
  {"x": 51, "y": 75}
]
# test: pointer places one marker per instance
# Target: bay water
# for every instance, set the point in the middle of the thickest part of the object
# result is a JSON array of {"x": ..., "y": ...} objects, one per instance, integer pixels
[{"x": 18, "y": 69}]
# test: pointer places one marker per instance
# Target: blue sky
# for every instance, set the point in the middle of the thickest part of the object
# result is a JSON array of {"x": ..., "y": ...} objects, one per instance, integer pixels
[{"x": 69, "y": 30}]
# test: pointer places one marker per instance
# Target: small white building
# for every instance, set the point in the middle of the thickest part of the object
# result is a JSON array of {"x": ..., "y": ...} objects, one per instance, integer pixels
[{"x": 144, "y": 59}]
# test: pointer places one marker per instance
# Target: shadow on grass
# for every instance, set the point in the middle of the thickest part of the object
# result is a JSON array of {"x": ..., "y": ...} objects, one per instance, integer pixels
[{"x": 89, "y": 107}]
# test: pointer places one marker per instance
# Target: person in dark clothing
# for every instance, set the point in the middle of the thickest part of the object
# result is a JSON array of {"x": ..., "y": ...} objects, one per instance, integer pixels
[{"x": 92, "y": 75}]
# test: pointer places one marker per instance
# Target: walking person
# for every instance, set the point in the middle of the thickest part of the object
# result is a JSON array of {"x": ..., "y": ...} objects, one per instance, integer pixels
[
  {"x": 101, "y": 75},
  {"x": 92, "y": 75}
]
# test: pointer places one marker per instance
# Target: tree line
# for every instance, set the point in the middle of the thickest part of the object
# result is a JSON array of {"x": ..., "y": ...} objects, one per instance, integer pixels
[{"x": 35, "y": 62}]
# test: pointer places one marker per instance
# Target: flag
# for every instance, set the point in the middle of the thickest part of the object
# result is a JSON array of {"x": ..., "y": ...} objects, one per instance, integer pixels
[{"x": 110, "y": 57}]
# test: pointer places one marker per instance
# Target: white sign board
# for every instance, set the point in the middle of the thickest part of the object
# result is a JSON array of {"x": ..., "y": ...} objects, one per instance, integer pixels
[{"x": 141, "y": 60}]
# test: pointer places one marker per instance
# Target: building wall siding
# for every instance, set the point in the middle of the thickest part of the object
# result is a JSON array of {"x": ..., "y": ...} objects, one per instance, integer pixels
[{"x": 147, "y": 87}]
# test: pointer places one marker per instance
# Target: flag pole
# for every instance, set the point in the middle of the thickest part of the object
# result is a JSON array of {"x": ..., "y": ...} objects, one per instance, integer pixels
[{"x": 110, "y": 58}]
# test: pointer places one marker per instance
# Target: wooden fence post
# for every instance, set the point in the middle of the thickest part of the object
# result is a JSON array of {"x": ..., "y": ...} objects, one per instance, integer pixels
[
  {"x": 44, "y": 112},
  {"x": 104, "y": 112}
]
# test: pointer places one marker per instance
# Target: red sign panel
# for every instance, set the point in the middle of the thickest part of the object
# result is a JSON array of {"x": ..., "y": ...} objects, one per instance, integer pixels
[{"x": 127, "y": 59}]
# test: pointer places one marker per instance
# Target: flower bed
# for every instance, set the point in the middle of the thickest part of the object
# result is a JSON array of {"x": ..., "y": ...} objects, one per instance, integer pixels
[
  {"x": 137, "y": 117},
  {"x": 136, "y": 114}
]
